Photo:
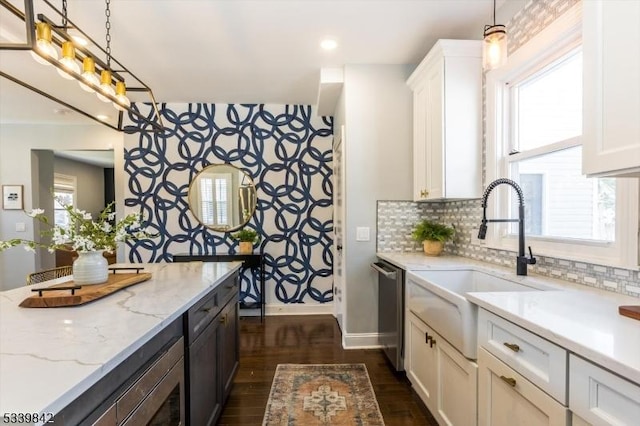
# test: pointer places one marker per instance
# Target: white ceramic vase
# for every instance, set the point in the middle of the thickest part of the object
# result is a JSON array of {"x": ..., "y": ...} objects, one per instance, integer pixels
[{"x": 90, "y": 267}]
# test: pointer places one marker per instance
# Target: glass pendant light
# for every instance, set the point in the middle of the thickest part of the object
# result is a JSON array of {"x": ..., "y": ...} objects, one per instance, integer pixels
[
  {"x": 68, "y": 61},
  {"x": 43, "y": 44},
  {"x": 121, "y": 96},
  {"x": 89, "y": 74},
  {"x": 494, "y": 45},
  {"x": 105, "y": 86}
]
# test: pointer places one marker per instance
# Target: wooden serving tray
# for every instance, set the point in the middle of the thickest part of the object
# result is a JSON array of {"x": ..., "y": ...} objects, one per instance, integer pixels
[
  {"x": 70, "y": 294},
  {"x": 630, "y": 311}
]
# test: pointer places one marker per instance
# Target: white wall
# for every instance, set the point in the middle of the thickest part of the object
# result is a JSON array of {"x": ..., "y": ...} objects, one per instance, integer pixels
[
  {"x": 17, "y": 141},
  {"x": 89, "y": 183},
  {"x": 376, "y": 108}
]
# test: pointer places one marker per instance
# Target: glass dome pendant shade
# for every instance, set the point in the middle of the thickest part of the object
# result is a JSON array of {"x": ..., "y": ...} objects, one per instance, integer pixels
[
  {"x": 105, "y": 86},
  {"x": 43, "y": 44},
  {"x": 89, "y": 74},
  {"x": 68, "y": 61},
  {"x": 121, "y": 96},
  {"x": 494, "y": 47}
]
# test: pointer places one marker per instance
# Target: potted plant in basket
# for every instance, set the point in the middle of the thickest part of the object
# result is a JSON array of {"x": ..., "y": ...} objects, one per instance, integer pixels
[
  {"x": 432, "y": 235},
  {"x": 88, "y": 237},
  {"x": 247, "y": 237}
]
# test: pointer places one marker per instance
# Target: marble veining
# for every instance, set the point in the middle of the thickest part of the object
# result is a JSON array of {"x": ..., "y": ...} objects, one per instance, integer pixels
[
  {"x": 49, "y": 357},
  {"x": 582, "y": 319}
]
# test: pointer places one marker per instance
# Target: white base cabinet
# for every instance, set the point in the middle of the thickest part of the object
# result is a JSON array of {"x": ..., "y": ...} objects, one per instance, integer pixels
[
  {"x": 506, "y": 398},
  {"x": 445, "y": 380},
  {"x": 600, "y": 397}
]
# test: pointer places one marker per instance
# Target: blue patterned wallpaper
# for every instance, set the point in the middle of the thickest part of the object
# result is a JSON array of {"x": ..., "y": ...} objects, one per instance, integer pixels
[{"x": 286, "y": 149}]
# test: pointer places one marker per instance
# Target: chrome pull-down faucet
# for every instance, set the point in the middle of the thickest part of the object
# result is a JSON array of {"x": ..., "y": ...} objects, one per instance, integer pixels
[{"x": 522, "y": 260}]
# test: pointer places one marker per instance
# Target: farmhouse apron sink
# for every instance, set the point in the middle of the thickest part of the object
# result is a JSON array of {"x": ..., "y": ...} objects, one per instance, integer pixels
[{"x": 438, "y": 299}]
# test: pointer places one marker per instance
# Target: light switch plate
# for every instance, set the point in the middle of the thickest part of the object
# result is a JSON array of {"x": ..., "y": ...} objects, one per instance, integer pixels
[
  {"x": 363, "y": 233},
  {"x": 21, "y": 227}
]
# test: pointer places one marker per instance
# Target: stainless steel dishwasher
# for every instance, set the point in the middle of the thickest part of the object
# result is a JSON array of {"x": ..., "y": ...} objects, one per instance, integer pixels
[{"x": 391, "y": 311}]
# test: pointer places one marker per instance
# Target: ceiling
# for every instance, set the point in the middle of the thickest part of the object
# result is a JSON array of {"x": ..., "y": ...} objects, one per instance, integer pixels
[{"x": 252, "y": 51}]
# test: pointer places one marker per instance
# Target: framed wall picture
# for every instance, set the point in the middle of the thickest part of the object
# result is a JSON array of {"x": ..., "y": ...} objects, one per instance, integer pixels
[{"x": 12, "y": 197}]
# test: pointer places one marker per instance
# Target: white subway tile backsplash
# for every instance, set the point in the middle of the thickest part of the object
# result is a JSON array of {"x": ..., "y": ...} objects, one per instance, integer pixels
[
  {"x": 610, "y": 284},
  {"x": 622, "y": 272},
  {"x": 397, "y": 218},
  {"x": 633, "y": 290}
]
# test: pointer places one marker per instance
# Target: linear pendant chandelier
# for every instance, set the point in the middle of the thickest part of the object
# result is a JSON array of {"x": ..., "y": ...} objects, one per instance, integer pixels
[{"x": 89, "y": 80}]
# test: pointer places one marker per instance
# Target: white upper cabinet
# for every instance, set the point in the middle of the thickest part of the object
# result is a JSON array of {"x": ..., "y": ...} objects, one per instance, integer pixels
[
  {"x": 611, "y": 126},
  {"x": 447, "y": 122}
]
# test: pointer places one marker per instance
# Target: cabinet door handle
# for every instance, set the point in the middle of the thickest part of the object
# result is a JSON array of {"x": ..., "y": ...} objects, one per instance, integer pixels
[
  {"x": 512, "y": 346},
  {"x": 509, "y": 380},
  {"x": 432, "y": 342},
  {"x": 424, "y": 193},
  {"x": 223, "y": 319},
  {"x": 426, "y": 337}
]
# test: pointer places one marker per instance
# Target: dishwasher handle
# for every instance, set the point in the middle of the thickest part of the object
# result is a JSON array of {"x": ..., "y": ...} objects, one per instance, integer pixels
[{"x": 384, "y": 270}]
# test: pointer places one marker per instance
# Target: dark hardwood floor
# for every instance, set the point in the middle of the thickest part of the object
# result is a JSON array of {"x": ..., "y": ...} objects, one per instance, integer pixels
[{"x": 310, "y": 340}]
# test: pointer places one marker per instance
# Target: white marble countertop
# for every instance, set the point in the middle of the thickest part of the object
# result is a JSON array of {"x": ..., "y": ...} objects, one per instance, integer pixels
[
  {"x": 49, "y": 357},
  {"x": 582, "y": 319}
]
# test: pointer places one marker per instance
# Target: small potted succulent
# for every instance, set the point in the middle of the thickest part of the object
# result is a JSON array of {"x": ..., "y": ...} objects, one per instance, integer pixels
[
  {"x": 432, "y": 235},
  {"x": 247, "y": 237}
]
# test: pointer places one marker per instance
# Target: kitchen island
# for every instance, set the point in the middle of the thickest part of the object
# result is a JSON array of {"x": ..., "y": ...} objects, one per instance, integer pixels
[{"x": 50, "y": 357}]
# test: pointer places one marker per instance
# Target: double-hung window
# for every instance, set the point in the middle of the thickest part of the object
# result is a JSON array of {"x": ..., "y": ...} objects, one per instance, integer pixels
[{"x": 534, "y": 129}]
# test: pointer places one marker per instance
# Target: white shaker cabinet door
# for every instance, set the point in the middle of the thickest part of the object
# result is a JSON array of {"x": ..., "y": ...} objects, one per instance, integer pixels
[
  {"x": 457, "y": 384},
  {"x": 600, "y": 397},
  {"x": 447, "y": 122},
  {"x": 505, "y": 398},
  {"x": 611, "y": 102},
  {"x": 420, "y": 361}
]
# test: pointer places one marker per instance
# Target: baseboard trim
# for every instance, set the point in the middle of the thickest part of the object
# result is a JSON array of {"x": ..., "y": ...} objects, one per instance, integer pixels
[
  {"x": 299, "y": 309},
  {"x": 360, "y": 341}
]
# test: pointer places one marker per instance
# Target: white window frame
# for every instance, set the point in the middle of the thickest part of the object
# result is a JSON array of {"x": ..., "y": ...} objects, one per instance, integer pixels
[
  {"x": 560, "y": 37},
  {"x": 65, "y": 183}
]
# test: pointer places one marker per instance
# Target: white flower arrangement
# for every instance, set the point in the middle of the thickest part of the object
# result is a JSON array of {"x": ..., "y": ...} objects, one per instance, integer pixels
[{"x": 83, "y": 233}]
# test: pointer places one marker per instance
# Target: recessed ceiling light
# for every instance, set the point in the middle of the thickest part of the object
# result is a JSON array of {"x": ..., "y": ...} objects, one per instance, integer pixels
[
  {"x": 102, "y": 117},
  {"x": 328, "y": 44}
]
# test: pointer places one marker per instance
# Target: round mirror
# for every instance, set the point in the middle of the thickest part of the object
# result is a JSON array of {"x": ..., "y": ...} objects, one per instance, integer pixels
[{"x": 222, "y": 197}]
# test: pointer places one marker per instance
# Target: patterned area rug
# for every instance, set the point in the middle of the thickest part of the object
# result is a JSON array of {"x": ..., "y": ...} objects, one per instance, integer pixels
[{"x": 322, "y": 394}]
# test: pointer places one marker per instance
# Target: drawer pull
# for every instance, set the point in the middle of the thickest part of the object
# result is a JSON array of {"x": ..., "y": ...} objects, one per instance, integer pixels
[
  {"x": 205, "y": 310},
  {"x": 512, "y": 346},
  {"x": 509, "y": 380}
]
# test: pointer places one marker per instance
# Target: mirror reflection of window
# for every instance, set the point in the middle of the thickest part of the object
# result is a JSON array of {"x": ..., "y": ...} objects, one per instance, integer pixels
[
  {"x": 64, "y": 189},
  {"x": 215, "y": 191}
]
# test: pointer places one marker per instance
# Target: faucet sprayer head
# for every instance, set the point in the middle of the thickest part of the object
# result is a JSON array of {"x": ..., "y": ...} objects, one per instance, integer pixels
[{"x": 482, "y": 233}]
